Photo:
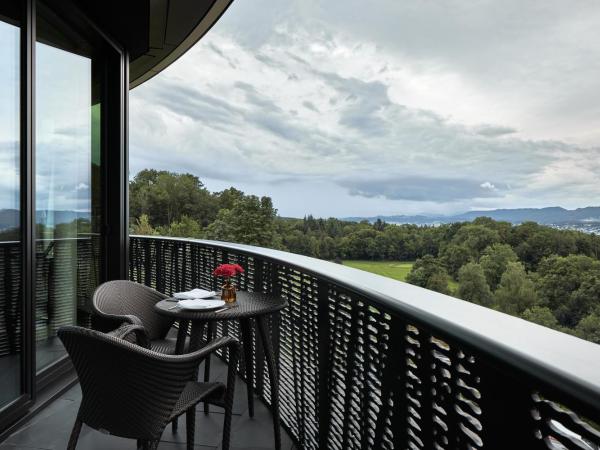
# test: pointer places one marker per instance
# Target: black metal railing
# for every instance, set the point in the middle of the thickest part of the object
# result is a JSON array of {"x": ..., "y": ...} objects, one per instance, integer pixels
[{"x": 368, "y": 362}]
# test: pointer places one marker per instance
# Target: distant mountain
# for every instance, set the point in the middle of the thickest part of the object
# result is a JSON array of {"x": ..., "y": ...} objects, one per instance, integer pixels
[
  {"x": 9, "y": 218},
  {"x": 547, "y": 216}
]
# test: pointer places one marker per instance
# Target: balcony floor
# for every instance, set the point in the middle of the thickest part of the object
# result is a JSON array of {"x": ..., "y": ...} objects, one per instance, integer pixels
[{"x": 50, "y": 429}]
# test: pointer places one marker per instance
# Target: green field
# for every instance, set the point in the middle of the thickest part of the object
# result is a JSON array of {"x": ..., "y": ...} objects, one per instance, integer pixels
[{"x": 391, "y": 269}]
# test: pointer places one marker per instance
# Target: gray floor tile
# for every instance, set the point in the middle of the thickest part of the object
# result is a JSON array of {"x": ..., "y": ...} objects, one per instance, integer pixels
[
  {"x": 50, "y": 429},
  {"x": 207, "y": 431},
  {"x": 257, "y": 432}
]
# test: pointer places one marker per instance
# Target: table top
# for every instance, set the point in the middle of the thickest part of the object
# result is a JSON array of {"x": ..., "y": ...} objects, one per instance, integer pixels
[{"x": 248, "y": 304}]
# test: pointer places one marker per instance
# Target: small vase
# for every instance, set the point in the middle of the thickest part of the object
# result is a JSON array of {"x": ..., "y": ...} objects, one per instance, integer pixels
[{"x": 228, "y": 292}]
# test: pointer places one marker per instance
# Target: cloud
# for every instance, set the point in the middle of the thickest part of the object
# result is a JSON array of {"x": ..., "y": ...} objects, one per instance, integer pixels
[
  {"x": 494, "y": 131},
  {"x": 488, "y": 186},
  {"x": 419, "y": 188},
  {"x": 310, "y": 106},
  {"x": 389, "y": 116}
]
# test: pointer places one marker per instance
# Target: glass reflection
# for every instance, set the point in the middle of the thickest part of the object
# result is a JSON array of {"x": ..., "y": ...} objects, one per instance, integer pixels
[
  {"x": 10, "y": 246},
  {"x": 67, "y": 169}
]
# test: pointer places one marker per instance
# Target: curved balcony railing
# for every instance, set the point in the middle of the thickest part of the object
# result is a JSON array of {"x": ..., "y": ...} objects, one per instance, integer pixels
[{"x": 367, "y": 362}]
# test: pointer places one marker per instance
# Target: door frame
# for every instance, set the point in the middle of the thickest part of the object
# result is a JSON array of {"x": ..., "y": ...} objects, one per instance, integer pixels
[{"x": 113, "y": 185}]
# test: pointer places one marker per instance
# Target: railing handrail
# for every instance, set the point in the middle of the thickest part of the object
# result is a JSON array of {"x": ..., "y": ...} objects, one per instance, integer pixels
[{"x": 556, "y": 359}]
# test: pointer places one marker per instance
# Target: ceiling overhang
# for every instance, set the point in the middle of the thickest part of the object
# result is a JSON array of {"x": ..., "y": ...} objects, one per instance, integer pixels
[
  {"x": 155, "y": 33},
  {"x": 175, "y": 26}
]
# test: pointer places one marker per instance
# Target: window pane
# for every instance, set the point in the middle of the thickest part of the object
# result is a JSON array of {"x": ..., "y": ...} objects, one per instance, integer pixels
[
  {"x": 10, "y": 246},
  {"x": 67, "y": 195}
]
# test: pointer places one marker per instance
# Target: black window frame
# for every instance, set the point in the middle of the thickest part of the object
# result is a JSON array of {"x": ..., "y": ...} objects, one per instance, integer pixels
[{"x": 114, "y": 187}]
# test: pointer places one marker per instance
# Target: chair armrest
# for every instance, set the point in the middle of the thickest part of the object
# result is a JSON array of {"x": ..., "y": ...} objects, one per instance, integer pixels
[
  {"x": 131, "y": 319},
  {"x": 108, "y": 322},
  {"x": 139, "y": 332}
]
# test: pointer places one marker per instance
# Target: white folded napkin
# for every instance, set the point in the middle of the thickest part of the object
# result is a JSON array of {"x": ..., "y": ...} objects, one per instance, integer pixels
[{"x": 194, "y": 294}]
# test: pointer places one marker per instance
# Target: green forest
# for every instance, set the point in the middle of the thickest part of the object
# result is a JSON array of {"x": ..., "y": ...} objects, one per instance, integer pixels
[{"x": 544, "y": 275}]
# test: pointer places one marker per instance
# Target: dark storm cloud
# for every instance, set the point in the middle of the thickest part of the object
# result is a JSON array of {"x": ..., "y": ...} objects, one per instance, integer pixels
[{"x": 419, "y": 188}]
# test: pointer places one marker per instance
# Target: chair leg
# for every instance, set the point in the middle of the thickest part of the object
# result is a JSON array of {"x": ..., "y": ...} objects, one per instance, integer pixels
[
  {"x": 190, "y": 423},
  {"x": 74, "y": 435}
]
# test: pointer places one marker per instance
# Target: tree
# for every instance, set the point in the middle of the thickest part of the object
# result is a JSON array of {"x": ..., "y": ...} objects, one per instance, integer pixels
[
  {"x": 560, "y": 276},
  {"x": 186, "y": 227},
  {"x": 297, "y": 242},
  {"x": 582, "y": 301},
  {"x": 454, "y": 257},
  {"x": 534, "y": 242},
  {"x": 360, "y": 244},
  {"x": 495, "y": 260},
  {"x": 542, "y": 316},
  {"x": 142, "y": 226},
  {"x": 166, "y": 196},
  {"x": 429, "y": 273},
  {"x": 438, "y": 281},
  {"x": 476, "y": 238},
  {"x": 503, "y": 228},
  {"x": 516, "y": 292},
  {"x": 249, "y": 221},
  {"x": 379, "y": 225},
  {"x": 472, "y": 285},
  {"x": 227, "y": 198},
  {"x": 589, "y": 328}
]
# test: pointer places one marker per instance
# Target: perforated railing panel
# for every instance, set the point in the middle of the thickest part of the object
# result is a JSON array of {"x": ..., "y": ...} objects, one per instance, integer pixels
[{"x": 355, "y": 375}]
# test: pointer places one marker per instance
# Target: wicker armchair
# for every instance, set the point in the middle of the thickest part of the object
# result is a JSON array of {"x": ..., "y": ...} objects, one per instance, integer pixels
[
  {"x": 133, "y": 392},
  {"x": 121, "y": 301}
]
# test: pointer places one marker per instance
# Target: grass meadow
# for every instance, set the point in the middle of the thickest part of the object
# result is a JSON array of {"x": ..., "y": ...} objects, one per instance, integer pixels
[{"x": 391, "y": 269}]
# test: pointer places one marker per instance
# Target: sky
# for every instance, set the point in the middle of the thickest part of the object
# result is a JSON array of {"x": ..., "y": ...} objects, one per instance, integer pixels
[{"x": 404, "y": 107}]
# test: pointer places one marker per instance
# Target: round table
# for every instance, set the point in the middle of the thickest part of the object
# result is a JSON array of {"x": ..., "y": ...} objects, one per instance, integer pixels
[{"x": 249, "y": 306}]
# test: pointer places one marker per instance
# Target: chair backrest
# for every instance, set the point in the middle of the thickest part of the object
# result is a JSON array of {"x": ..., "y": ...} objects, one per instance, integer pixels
[
  {"x": 128, "y": 391},
  {"x": 122, "y": 297}
]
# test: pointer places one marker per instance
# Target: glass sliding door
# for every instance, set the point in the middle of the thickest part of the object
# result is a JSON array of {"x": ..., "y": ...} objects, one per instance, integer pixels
[
  {"x": 11, "y": 304},
  {"x": 68, "y": 212}
]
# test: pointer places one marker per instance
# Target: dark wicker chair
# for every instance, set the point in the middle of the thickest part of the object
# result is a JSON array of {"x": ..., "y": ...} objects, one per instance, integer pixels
[
  {"x": 121, "y": 301},
  {"x": 132, "y": 392}
]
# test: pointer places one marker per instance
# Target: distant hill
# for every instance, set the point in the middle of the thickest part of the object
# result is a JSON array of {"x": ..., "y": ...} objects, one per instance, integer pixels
[
  {"x": 547, "y": 216},
  {"x": 9, "y": 218}
]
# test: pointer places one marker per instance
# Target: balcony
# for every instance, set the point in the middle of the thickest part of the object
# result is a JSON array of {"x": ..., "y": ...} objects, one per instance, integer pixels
[{"x": 367, "y": 362}]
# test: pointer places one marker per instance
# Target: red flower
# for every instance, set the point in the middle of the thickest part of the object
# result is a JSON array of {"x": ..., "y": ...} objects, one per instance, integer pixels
[{"x": 228, "y": 270}]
